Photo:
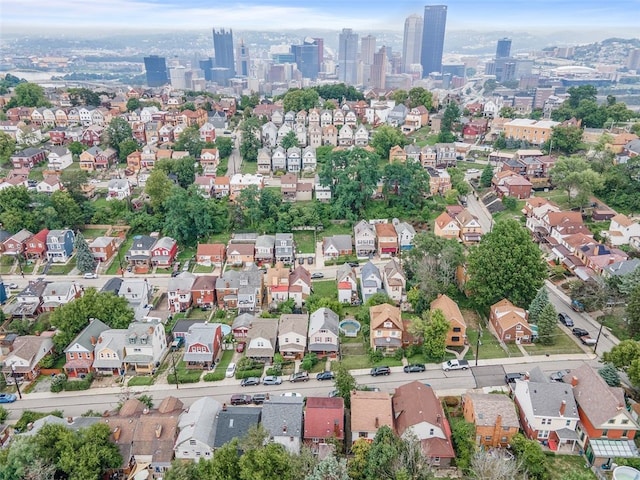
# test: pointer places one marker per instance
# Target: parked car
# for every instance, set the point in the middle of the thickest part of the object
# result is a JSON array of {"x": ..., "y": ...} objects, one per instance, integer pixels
[
  {"x": 579, "y": 332},
  {"x": 291, "y": 394},
  {"x": 565, "y": 319},
  {"x": 416, "y": 367},
  {"x": 512, "y": 377},
  {"x": 89, "y": 275},
  {"x": 383, "y": 370},
  {"x": 559, "y": 375},
  {"x": 333, "y": 393},
  {"x": 473, "y": 170},
  {"x": 250, "y": 382},
  {"x": 271, "y": 380},
  {"x": 13, "y": 286},
  {"x": 326, "y": 375},
  {"x": 317, "y": 275},
  {"x": 299, "y": 377},
  {"x": 239, "y": 399},
  {"x": 240, "y": 347},
  {"x": 354, "y": 264},
  {"x": 7, "y": 398},
  {"x": 260, "y": 398},
  {"x": 231, "y": 370},
  {"x": 177, "y": 343}
]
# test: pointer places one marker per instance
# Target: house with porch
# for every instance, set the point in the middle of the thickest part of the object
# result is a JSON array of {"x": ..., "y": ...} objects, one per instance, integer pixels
[
  {"x": 239, "y": 254},
  {"x": 347, "y": 284},
  {"x": 29, "y": 301},
  {"x": 179, "y": 297},
  {"x": 418, "y": 411},
  {"x": 370, "y": 281},
  {"x": 59, "y": 293},
  {"x": 336, "y": 246},
  {"x": 394, "y": 280},
  {"x": 60, "y": 245},
  {"x": 323, "y": 422},
  {"x": 510, "y": 322},
  {"x": 139, "y": 255},
  {"x": 240, "y": 326},
  {"x": 211, "y": 254},
  {"x": 240, "y": 289},
  {"x": 387, "y": 240},
  {"x": 370, "y": 411},
  {"x": 365, "y": 239},
  {"x": 202, "y": 345},
  {"x": 80, "y": 352},
  {"x": 103, "y": 248},
  {"x": 137, "y": 293},
  {"x": 299, "y": 285},
  {"x": 163, "y": 252},
  {"x": 621, "y": 230},
  {"x": 22, "y": 363},
  {"x": 145, "y": 346},
  {"x": 17, "y": 243},
  {"x": 405, "y": 233},
  {"x": 445, "y": 226},
  {"x": 284, "y": 248},
  {"x": 323, "y": 333},
  {"x": 606, "y": 428},
  {"x": 282, "y": 419},
  {"x": 292, "y": 335},
  {"x": 203, "y": 291},
  {"x": 118, "y": 189},
  {"x": 494, "y": 416},
  {"x": 386, "y": 328},
  {"x": 196, "y": 425},
  {"x": 261, "y": 339},
  {"x": 264, "y": 249},
  {"x": 36, "y": 245}
]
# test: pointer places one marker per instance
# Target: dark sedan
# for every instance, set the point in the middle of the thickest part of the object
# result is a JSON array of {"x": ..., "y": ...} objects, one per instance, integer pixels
[
  {"x": 327, "y": 375},
  {"x": 250, "y": 382},
  {"x": 414, "y": 368}
]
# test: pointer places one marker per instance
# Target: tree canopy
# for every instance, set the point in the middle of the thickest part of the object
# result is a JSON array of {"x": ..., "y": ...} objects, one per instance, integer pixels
[
  {"x": 117, "y": 132},
  {"x": 385, "y": 137},
  {"x": 296, "y": 100},
  {"x": 28, "y": 95},
  {"x": 506, "y": 264}
]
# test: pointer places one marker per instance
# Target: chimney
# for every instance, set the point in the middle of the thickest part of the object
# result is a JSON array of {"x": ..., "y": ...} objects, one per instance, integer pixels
[
  {"x": 377, "y": 424},
  {"x": 94, "y": 340},
  {"x": 438, "y": 419},
  {"x": 526, "y": 376},
  {"x": 284, "y": 428},
  {"x": 158, "y": 430},
  {"x": 224, "y": 407},
  {"x": 563, "y": 407},
  {"x": 336, "y": 428},
  {"x": 116, "y": 433},
  {"x": 145, "y": 411},
  {"x": 574, "y": 381}
]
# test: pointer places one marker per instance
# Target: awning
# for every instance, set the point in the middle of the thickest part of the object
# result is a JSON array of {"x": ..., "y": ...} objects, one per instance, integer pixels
[{"x": 613, "y": 448}]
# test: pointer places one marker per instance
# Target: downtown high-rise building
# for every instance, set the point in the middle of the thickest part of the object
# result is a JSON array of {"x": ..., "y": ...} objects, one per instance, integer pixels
[
  {"x": 348, "y": 57},
  {"x": 306, "y": 58},
  {"x": 503, "y": 49},
  {"x": 243, "y": 61},
  {"x": 433, "y": 28},
  {"x": 412, "y": 43},
  {"x": 156, "y": 70},
  {"x": 379, "y": 69},
  {"x": 367, "y": 49},
  {"x": 223, "y": 50}
]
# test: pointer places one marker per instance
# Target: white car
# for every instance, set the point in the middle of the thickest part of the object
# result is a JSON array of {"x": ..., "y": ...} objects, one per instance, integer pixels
[
  {"x": 13, "y": 286},
  {"x": 291, "y": 394},
  {"x": 90, "y": 275},
  {"x": 94, "y": 181},
  {"x": 231, "y": 370},
  {"x": 473, "y": 170}
]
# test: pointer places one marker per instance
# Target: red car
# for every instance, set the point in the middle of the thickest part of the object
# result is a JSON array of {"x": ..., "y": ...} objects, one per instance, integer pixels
[{"x": 240, "y": 347}]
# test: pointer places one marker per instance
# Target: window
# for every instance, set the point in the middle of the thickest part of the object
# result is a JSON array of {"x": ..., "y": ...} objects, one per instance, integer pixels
[
  {"x": 457, "y": 329},
  {"x": 455, "y": 339},
  {"x": 605, "y": 433},
  {"x": 362, "y": 435},
  {"x": 192, "y": 442},
  {"x": 436, "y": 460},
  {"x": 431, "y": 431},
  {"x": 624, "y": 422},
  {"x": 518, "y": 327},
  {"x": 70, "y": 355},
  {"x": 543, "y": 433},
  {"x": 503, "y": 440},
  {"x": 546, "y": 421},
  {"x": 387, "y": 324},
  {"x": 567, "y": 423},
  {"x": 612, "y": 421},
  {"x": 507, "y": 337},
  {"x": 487, "y": 438},
  {"x": 378, "y": 333}
]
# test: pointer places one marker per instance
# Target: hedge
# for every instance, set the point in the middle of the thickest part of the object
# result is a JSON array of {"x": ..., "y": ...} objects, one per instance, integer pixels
[
  {"x": 184, "y": 377},
  {"x": 249, "y": 373},
  {"x": 61, "y": 382},
  {"x": 214, "y": 376}
]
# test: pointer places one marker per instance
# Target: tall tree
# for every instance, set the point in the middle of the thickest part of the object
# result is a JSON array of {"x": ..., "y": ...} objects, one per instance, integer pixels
[
  {"x": 633, "y": 313},
  {"x": 271, "y": 462},
  {"x": 382, "y": 455},
  {"x": 330, "y": 468},
  {"x": 250, "y": 143},
  {"x": 126, "y": 148},
  {"x": 358, "y": 460},
  {"x": 537, "y": 305},
  {"x": 463, "y": 435},
  {"x": 133, "y": 104},
  {"x": 7, "y": 147},
  {"x": 189, "y": 141},
  {"x": 385, "y": 137},
  {"x": 565, "y": 138},
  {"x": 530, "y": 453},
  {"x": 435, "y": 335},
  {"x": 289, "y": 140},
  {"x": 224, "y": 146},
  {"x": 158, "y": 187},
  {"x": 345, "y": 383},
  {"x": 69, "y": 212},
  {"x": 404, "y": 185},
  {"x": 73, "y": 181},
  {"x": 610, "y": 375},
  {"x": 494, "y": 465},
  {"x": 186, "y": 216},
  {"x": 296, "y": 100},
  {"x": 117, "y": 132},
  {"x": 506, "y": 264},
  {"x": 420, "y": 96},
  {"x": 84, "y": 258},
  {"x": 547, "y": 321},
  {"x": 225, "y": 464},
  {"x": 487, "y": 176},
  {"x": 28, "y": 95}
]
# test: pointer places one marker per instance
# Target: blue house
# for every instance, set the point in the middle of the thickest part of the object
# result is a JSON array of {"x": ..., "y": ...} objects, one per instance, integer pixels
[{"x": 60, "y": 245}]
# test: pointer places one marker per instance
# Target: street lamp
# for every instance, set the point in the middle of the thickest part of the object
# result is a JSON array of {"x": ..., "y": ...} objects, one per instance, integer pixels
[
  {"x": 478, "y": 343},
  {"x": 595, "y": 346},
  {"x": 15, "y": 379}
]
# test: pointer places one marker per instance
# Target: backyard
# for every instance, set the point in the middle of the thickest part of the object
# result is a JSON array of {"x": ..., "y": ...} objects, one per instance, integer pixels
[
  {"x": 563, "y": 344},
  {"x": 305, "y": 239},
  {"x": 325, "y": 289}
]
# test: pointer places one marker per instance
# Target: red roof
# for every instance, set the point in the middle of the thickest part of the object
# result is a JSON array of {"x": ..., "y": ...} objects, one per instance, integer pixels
[
  {"x": 344, "y": 285},
  {"x": 42, "y": 235},
  {"x": 211, "y": 249},
  {"x": 324, "y": 418}
]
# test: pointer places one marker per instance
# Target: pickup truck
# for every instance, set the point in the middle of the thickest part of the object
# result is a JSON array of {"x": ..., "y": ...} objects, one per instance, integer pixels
[
  {"x": 587, "y": 340},
  {"x": 455, "y": 365}
]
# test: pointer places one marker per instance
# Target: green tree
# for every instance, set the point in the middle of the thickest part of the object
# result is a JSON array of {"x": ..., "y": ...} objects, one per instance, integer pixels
[
  {"x": 507, "y": 112},
  {"x": 487, "y": 176},
  {"x": 400, "y": 96},
  {"x": 133, "y": 104},
  {"x": 190, "y": 217},
  {"x": 358, "y": 460},
  {"x": 126, "y": 148},
  {"x": 250, "y": 143},
  {"x": 158, "y": 187},
  {"x": 83, "y": 96},
  {"x": 435, "y": 335},
  {"x": 500, "y": 143},
  {"x": 7, "y": 147},
  {"x": 225, "y": 464},
  {"x": 404, "y": 185},
  {"x": 386, "y": 137},
  {"x": 330, "y": 468},
  {"x": 76, "y": 148},
  {"x": 68, "y": 211},
  {"x": 344, "y": 383},
  {"x": 463, "y": 435},
  {"x": 72, "y": 317},
  {"x": 296, "y": 100},
  {"x": 289, "y": 140},
  {"x": 271, "y": 462},
  {"x": 538, "y": 303},
  {"x": 610, "y": 375},
  {"x": 382, "y": 456},
  {"x": 189, "y": 141},
  {"x": 353, "y": 176},
  {"x": 530, "y": 453},
  {"x": 458, "y": 181},
  {"x": 84, "y": 258},
  {"x": 566, "y": 138},
  {"x": 420, "y": 96},
  {"x": 117, "y": 132},
  {"x": 224, "y": 146},
  {"x": 506, "y": 264},
  {"x": 181, "y": 470},
  {"x": 450, "y": 117},
  {"x": 633, "y": 313},
  {"x": 547, "y": 324},
  {"x": 623, "y": 354},
  {"x": 28, "y": 95},
  {"x": 73, "y": 181},
  {"x": 339, "y": 91}
]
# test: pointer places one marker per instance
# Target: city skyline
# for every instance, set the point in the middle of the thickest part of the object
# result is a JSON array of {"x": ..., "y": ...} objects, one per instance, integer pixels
[{"x": 542, "y": 15}]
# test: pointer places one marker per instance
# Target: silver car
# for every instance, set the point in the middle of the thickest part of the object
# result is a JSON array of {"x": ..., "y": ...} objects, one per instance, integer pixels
[{"x": 272, "y": 380}]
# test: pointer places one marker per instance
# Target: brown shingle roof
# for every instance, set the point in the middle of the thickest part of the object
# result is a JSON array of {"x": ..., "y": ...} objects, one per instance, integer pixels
[
  {"x": 370, "y": 411},
  {"x": 450, "y": 309},
  {"x": 487, "y": 408},
  {"x": 381, "y": 313}
]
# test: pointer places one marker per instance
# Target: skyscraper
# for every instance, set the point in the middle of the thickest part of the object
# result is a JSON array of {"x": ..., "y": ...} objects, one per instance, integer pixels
[
  {"x": 242, "y": 60},
  {"x": 367, "y": 49},
  {"x": 411, "y": 46},
  {"x": 435, "y": 21},
  {"x": 223, "y": 50},
  {"x": 306, "y": 57},
  {"x": 379, "y": 68},
  {"x": 503, "y": 50},
  {"x": 156, "y": 70},
  {"x": 348, "y": 56},
  {"x": 320, "y": 42}
]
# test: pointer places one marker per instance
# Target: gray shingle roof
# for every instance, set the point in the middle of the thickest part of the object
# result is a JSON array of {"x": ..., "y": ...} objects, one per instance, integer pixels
[
  {"x": 234, "y": 422},
  {"x": 323, "y": 319},
  {"x": 93, "y": 330},
  {"x": 282, "y": 416},
  {"x": 546, "y": 399},
  {"x": 198, "y": 422}
]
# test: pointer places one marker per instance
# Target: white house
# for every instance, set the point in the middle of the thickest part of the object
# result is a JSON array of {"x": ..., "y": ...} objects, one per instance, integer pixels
[
  {"x": 118, "y": 189},
  {"x": 347, "y": 284},
  {"x": 292, "y": 335},
  {"x": 282, "y": 419},
  {"x": 49, "y": 185},
  {"x": 323, "y": 332},
  {"x": 197, "y": 428},
  {"x": 59, "y": 293},
  {"x": 394, "y": 280},
  {"x": 621, "y": 230},
  {"x": 365, "y": 239},
  {"x": 59, "y": 158},
  {"x": 370, "y": 280},
  {"x": 406, "y": 233}
]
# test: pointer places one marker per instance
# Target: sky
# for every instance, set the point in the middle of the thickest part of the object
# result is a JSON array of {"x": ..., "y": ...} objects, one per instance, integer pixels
[{"x": 361, "y": 15}]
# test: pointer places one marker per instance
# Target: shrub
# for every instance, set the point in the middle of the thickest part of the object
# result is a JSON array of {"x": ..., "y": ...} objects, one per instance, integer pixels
[
  {"x": 398, "y": 354},
  {"x": 375, "y": 355},
  {"x": 58, "y": 383},
  {"x": 3, "y": 414},
  {"x": 249, "y": 373},
  {"x": 451, "y": 401},
  {"x": 214, "y": 376},
  {"x": 76, "y": 385},
  {"x": 275, "y": 370},
  {"x": 184, "y": 377}
]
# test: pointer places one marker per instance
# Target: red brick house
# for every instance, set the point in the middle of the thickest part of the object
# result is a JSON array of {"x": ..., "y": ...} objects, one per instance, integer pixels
[
  {"x": 36, "y": 246},
  {"x": 17, "y": 243},
  {"x": 209, "y": 254},
  {"x": 510, "y": 322},
  {"x": 103, "y": 248},
  {"x": 323, "y": 421},
  {"x": 203, "y": 343},
  {"x": 80, "y": 352},
  {"x": 28, "y": 158},
  {"x": 91, "y": 136},
  {"x": 106, "y": 158},
  {"x": 508, "y": 183},
  {"x": 203, "y": 291},
  {"x": 57, "y": 136}
]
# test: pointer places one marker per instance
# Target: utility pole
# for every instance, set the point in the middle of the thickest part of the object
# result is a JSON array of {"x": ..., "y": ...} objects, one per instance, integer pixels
[
  {"x": 15, "y": 379},
  {"x": 595, "y": 347},
  {"x": 478, "y": 343},
  {"x": 175, "y": 372}
]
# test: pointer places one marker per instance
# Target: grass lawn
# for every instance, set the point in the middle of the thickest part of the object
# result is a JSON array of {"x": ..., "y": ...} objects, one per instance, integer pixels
[
  {"x": 616, "y": 324},
  {"x": 124, "y": 248},
  {"x": 225, "y": 360},
  {"x": 62, "y": 269},
  {"x": 517, "y": 213},
  {"x": 186, "y": 254},
  {"x": 562, "y": 465},
  {"x": 305, "y": 241},
  {"x": 202, "y": 269},
  {"x": 249, "y": 167},
  {"x": 140, "y": 381},
  {"x": 563, "y": 344},
  {"x": 223, "y": 166},
  {"x": 490, "y": 347},
  {"x": 355, "y": 361},
  {"x": 219, "y": 238},
  {"x": 326, "y": 289},
  {"x": 558, "y": 196},
  {"x": 94, "y": 232}
]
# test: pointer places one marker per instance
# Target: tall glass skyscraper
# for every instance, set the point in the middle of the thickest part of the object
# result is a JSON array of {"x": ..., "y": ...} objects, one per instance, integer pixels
[
  {"x": 156, "y": 71},
  {"x": 411, "y": 46},
  {"x": 503, "y": 50},
  {"x": 348, "y": 57},
  {"x": 306, "y": 57},
  {"x": 242, "y": 59},
  {"x": 223, "y": 50},
  {"x": 435, "y": 21}
]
